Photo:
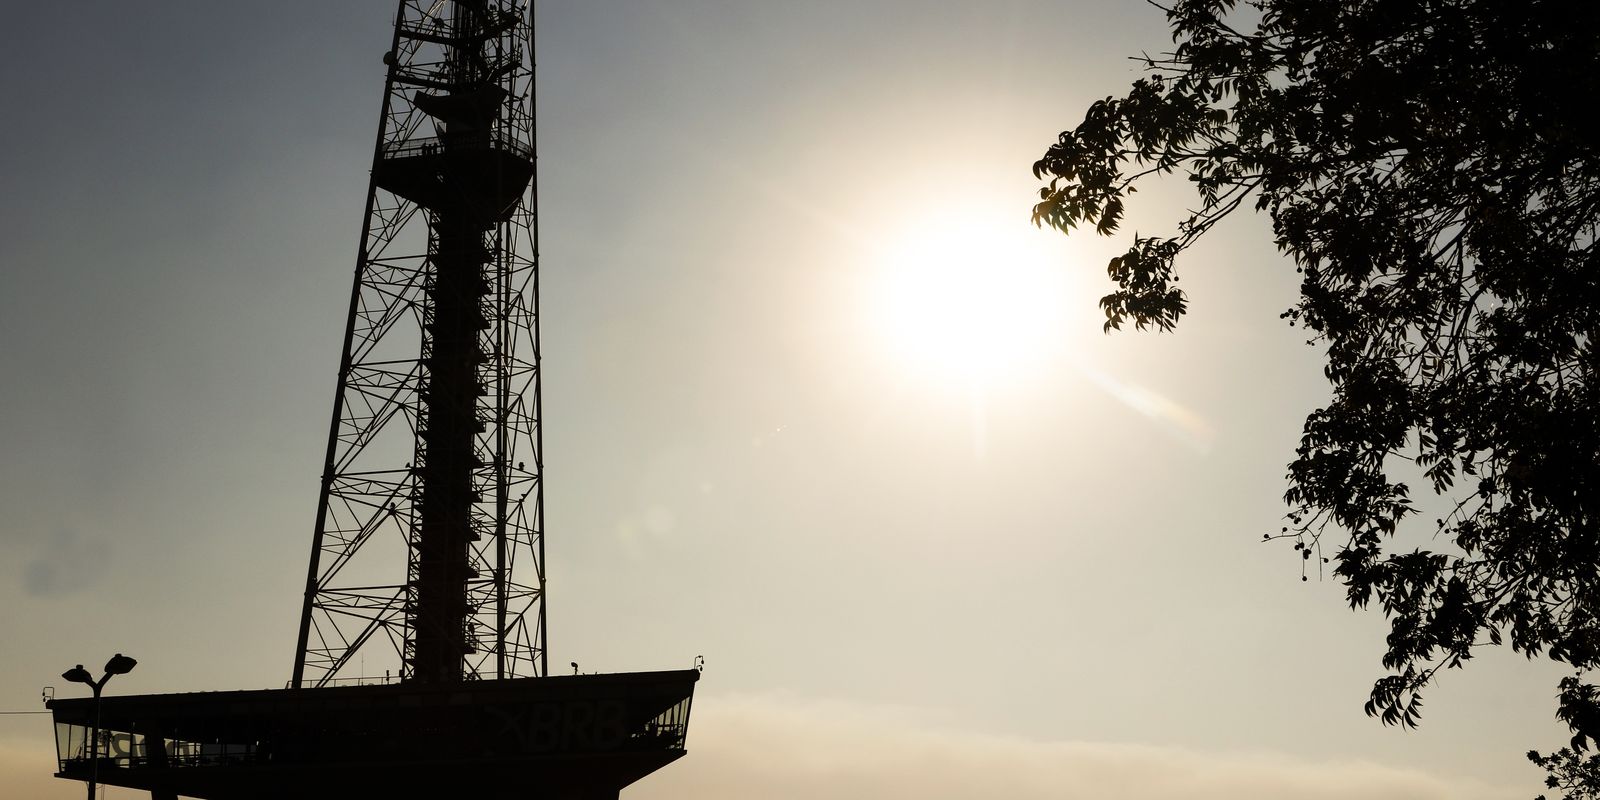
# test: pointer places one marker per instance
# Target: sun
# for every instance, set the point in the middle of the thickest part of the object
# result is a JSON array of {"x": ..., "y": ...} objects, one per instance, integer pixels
[{"x": 970, "y": 301}]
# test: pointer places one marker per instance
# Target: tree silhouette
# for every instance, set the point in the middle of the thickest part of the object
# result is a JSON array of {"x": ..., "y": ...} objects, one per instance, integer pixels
[{"x": 1431, "y": 169}]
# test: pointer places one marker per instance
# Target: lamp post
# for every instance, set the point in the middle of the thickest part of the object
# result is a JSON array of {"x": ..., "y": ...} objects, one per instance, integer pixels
[{"x": 118, "y": 665}]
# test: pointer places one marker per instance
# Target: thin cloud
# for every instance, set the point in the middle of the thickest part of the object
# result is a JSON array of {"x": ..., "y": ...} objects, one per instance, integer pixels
[
  {"x": 27, "y": 770},
  {"x": 778, "y": 749}
]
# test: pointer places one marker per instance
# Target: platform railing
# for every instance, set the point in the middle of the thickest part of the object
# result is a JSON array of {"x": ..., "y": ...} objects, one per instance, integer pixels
[
  {"x": 124, "y": 750},
  {"x": 436, "y": 145}
]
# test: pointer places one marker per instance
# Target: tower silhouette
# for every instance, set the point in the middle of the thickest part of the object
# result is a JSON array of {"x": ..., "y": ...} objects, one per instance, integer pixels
[
  {"x": 435, "y": 439},
  {"x": 427, "y": 556}
]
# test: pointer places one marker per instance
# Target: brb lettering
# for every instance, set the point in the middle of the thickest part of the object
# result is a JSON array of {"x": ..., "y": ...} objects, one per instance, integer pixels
[{"x": 577, "y": 725}]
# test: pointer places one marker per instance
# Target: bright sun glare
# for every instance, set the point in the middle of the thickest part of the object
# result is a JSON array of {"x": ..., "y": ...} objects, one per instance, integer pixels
[{"x": 971, "y": 302}]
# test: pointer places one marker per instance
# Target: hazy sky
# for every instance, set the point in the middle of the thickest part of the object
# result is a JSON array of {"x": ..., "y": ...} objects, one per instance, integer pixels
[{"x": 948, "y": 554}]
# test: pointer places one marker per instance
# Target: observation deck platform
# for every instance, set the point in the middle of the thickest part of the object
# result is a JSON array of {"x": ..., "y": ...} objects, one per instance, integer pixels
[
  {"x": 577, "y": 737},
  {"x": 482, "y": 178}
]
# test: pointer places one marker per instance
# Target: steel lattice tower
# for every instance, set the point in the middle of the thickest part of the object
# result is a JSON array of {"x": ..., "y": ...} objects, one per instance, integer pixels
[
  {"x": 428, "y": 551},
  {"x": 434, "y": 455}
]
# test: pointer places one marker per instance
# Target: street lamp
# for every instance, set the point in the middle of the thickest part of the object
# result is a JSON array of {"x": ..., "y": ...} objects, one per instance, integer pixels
[{"x": 118, "y": 665}]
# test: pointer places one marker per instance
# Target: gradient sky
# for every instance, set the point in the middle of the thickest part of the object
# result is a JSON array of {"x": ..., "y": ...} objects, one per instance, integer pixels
[{"x": 907, "y": 577}]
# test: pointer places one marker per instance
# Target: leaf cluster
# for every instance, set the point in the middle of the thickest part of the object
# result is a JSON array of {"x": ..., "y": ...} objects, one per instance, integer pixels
[
  {"x": 1571, "y": 769},
  {"x": 1431, "y": 169}
]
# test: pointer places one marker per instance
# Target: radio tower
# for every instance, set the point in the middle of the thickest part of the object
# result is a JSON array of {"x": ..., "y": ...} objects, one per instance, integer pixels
[
  {"x": 433, "y": 472},
  {"x": 435, "y": 439}
]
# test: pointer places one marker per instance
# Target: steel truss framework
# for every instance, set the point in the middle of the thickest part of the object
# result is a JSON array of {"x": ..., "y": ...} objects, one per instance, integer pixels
[{"x": 434, "y": 460}]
